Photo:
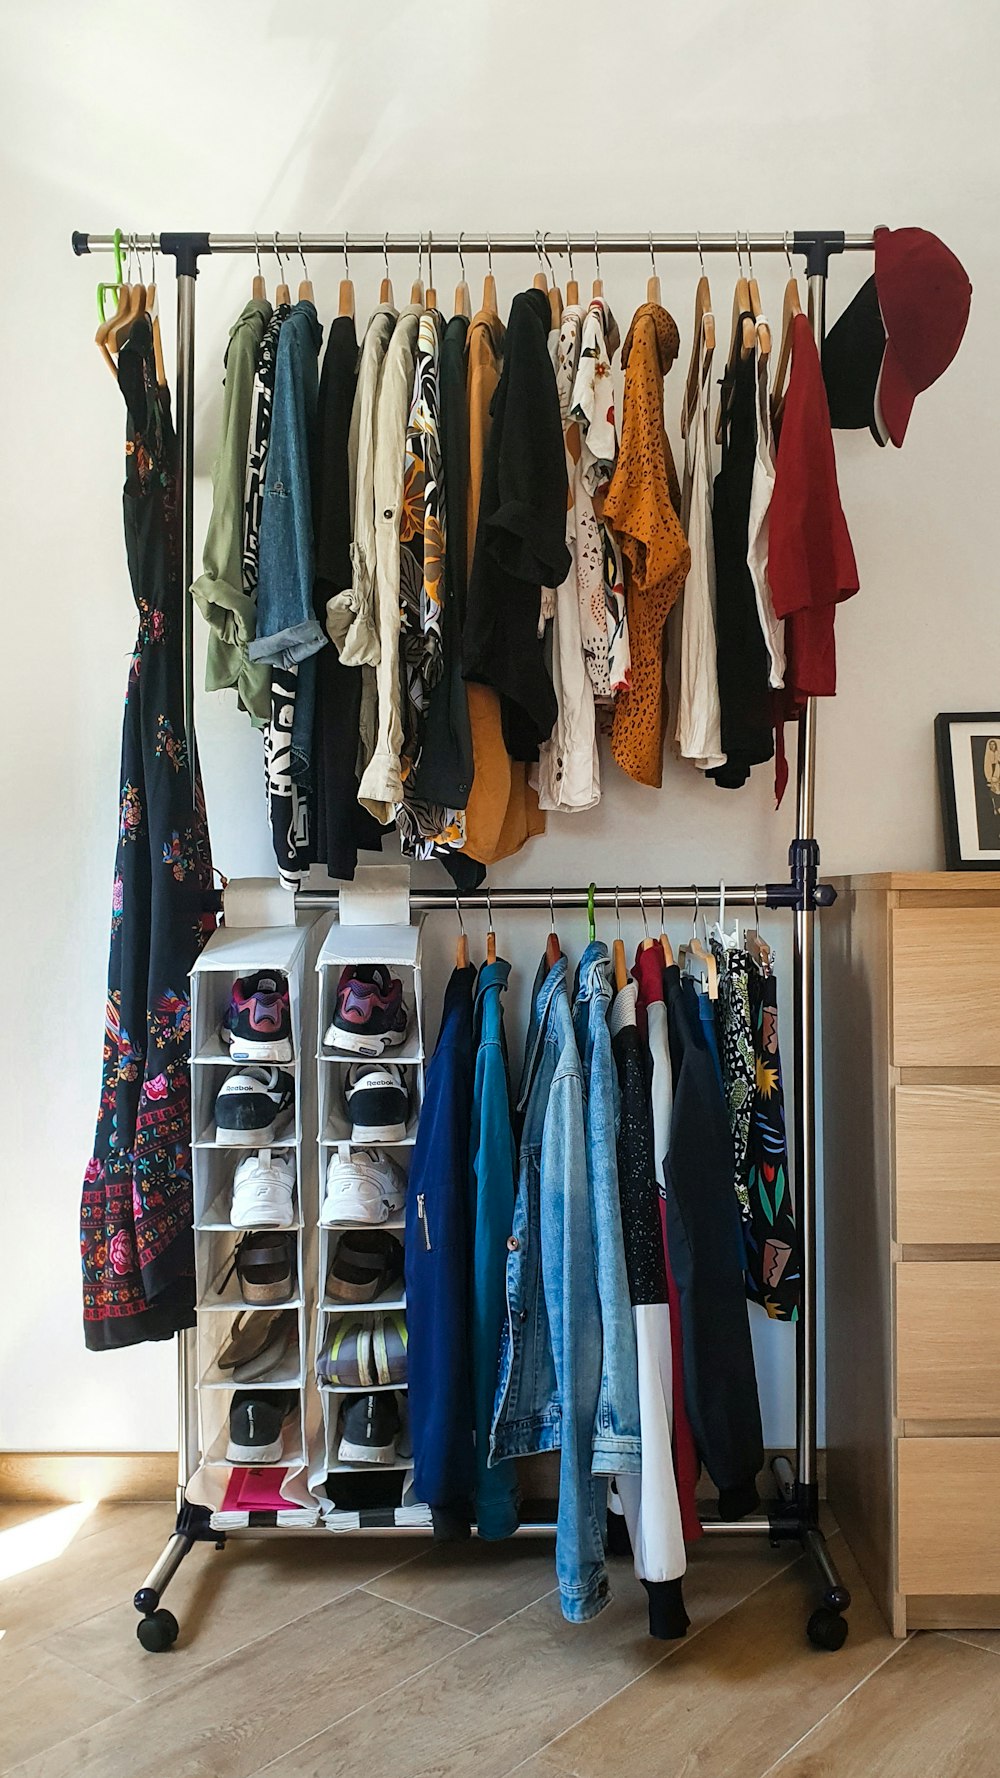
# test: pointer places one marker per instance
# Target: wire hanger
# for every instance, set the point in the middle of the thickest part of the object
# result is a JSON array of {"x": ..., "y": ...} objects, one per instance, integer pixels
[
  {"x": 702, "y": 345},
  {"x": 491, "y": 937},
  {"x": 385, "y": 288},
  {"x": 648, "y": 941},
  {"x": 790, "y": 307},
  {"x": 572, "y": 287},
  {"x": 417, "y": 287},
  {"x": 489, "y": 303},
  {"x": 540, "y": 281},
  {"x": 597, "y": 288},
  {"x": 282, "y": 294},
  {"x": 431, "y": 299},
  {"x": 591, "y": 919},
  {"x": 553, "y": 949},
  {"x": 345, "y": 296},
  {"x": 618, "y": 959},
  {"x": 757, "y": 947},
  {"x": 463, "y": 299},
  {"x": 665, "y": 946},
  {"x": 462, "y": 946},
  {"x": 258, "y": 289},
  {"x": 653, "y": 291},
  {"x": 306, "y": 294}
]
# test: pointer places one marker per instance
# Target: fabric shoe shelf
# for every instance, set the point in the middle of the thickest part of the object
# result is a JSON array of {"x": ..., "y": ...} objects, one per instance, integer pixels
[
  {"x": 399, "y": 949},
  {"x": 233, "y": 953}
]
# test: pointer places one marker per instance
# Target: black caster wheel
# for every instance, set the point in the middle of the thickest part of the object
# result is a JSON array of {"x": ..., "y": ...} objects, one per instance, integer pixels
[
  {"x": 158, "y": 1632},
  {"x": 827, "y": 1629}
]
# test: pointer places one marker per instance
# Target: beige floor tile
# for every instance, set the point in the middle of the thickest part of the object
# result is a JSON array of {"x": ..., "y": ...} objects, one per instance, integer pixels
[
  {"x": 474, "y": 1584},
  {"x": 105, "y": 1560},
  {"x": 502, "y": 1698},
  {"x": 934, "y": 1708},
  {"x": 238, "y": 1715},
  {"x": 44, "y": 1700},
  {"x": 539, "y": 1767},
  {"x": 223, "y": 1600},
  {"x": 732, "y": 1698},
  {"x": 988, "y": 1639}
]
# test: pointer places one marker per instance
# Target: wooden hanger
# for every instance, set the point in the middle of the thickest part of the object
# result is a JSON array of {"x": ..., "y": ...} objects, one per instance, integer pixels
[
  {"x": 711, "y": 968},
  {"x": 385, "y": 288},
  {"x": 743, "y": 336},
  {"x": 258, "y": 289},
  {"x": 101, "y": 336},
  {"x": 306, "y": 294},
  {"x": 489, "y": 303},
  {"x": 463, "y": 297},
  {"x": 282, "y": 294},
  {"x": 345, "y": 296},
  {"x": 653, "y": 291},
  {"x": 619, "y": 961},
  {"x": 462, "y": 944},
  {"x": 753, "y": 944},
  {"x": 791, "y": 306},
  {"x": 153, "y": 311},
  {"x": 762, "y": 330},
  {"x": 597, "y": 288},
  {"x": 553, "y": 949},
  {"x": 572, "y": 287},
  {"x": 702, "y": 345}
]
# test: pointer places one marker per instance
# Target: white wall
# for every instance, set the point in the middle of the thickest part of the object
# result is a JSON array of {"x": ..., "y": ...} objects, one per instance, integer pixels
[{"x": 479, "y": 115}]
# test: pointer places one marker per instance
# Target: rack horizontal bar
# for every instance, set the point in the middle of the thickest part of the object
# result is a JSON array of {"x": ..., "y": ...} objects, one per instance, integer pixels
[
  {"x": 649, "y": 896},
  {"x": 553, "y": 241}
]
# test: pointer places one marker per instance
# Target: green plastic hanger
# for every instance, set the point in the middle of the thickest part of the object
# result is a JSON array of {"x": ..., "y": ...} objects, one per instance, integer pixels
[
  {"x": 103, "y": 289},
  {"x": 591, "y": 921}
]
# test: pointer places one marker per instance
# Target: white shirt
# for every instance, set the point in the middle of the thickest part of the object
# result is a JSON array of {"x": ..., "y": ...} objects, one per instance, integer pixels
[{"x": 691, "y": 632}]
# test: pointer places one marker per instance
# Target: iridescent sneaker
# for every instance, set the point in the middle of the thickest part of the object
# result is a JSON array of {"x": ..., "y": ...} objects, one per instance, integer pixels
[{"x": 370, "y": 1016}]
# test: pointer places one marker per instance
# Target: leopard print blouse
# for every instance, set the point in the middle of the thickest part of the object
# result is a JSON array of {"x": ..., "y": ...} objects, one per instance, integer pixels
[{"x": 642, "y": 505}]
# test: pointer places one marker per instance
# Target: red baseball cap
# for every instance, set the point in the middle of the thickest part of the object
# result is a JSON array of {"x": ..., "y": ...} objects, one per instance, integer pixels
[{"x": 923, "y": 296}]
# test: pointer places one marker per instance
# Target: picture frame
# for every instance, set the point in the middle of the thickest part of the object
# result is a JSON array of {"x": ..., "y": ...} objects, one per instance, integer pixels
[{"x": 967, "y": 744}]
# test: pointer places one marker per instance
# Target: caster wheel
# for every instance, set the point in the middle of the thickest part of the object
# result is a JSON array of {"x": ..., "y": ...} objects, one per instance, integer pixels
[
  {"x": 158, "y": 1632},
  {"x": 827, "y": 1629}
]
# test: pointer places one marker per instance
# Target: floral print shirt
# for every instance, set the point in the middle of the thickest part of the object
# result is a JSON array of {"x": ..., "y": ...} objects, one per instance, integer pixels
[{"x": 603, "y": 621}]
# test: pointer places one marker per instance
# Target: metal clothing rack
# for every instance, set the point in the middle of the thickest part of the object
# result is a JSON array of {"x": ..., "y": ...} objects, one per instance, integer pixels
[{"x": 795, "y": 1514}]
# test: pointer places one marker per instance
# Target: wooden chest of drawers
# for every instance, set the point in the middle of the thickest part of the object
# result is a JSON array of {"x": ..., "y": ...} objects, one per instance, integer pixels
[{"x": 911, "y": 1181}]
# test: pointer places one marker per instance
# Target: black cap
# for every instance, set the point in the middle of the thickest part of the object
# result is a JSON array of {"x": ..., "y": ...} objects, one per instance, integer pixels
[{"x": 852, "y": 359}]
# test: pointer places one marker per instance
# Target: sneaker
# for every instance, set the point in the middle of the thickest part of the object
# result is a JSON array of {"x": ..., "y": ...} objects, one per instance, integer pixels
[
  {"x": 255, "y": 1426},
  {"x": 264, "y": 1191},
  {"x": 363, "y": 1185},
  {"x": 378, "y": 1103},
  {"x": 389, "y": 1347},
  {"x": 252, "y": 1107},
  {"x": 365, "y": 1266},
  {"x": 346, "y": 1359},
  {"x": 370, "y": 1015},
  {"x": 368, "y": 1428},
  {"x": 258, "y": 1021}
]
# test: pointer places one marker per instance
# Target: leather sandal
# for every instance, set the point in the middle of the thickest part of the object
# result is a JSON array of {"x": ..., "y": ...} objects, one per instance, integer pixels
[
  {"x": 264, "y": 1265},
  {"x": 248, "y": 1337},
  {"x": 366, "y": 1263}
]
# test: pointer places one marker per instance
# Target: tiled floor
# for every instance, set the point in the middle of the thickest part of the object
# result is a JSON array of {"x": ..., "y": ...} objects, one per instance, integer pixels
[{"x": 316, "y": 1658}]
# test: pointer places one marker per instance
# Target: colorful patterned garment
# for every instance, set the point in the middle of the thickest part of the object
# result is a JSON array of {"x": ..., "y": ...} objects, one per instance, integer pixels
[
  {"x": 136, "y": 1212},
  {"x": 736, "y": 1049},
  {"x": 774, "y": 1265},
  {"x": 601, "y": 576},
  {"x": 425, "y": 828}
]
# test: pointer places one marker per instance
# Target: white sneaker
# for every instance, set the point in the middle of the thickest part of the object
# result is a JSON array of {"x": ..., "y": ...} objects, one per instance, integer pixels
[
  {"x": 362, "y": 1185},
  {"x": 264, "y": 1191}
]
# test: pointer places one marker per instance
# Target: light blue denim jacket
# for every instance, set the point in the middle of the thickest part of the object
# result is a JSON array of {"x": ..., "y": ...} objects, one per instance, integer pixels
[
  {"x": 288, "y": 632},
  {"x": 549, "y": 1379},
  {"x": 617, "y": 1443},
  {"x": 493, "y": 1174}
]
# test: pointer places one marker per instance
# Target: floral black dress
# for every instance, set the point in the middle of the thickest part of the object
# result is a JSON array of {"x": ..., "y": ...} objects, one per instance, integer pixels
[{"x": 136, "y": 1212}]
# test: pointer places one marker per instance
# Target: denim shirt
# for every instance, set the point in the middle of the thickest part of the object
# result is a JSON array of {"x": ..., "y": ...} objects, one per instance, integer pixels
[
  {"x": 288, "y": 632},
  {"x": 549, "y": 1381},
  {"x": 617, "y": 1442},
  {"x": 493, "y": 1170}
]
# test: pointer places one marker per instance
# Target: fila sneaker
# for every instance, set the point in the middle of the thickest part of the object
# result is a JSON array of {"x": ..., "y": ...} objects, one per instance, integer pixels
[
  {"x": 362, "y": 1185},
  {"x": 264, "y": 1191}
]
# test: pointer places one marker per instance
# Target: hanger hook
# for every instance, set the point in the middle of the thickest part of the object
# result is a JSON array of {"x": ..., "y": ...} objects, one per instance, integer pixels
[
  {"x": 385, "y": 252},
  {"x": 305, "y": 268},
  {"x": 489, "y": 910},
  {"x": 458, "y": 910},
  {"x": 277, "y": 255},
  {"x": 746, "y": 236},
  {"x": 347, "y": 268},
  {"x": 739, "y": 252},
  {"x": 618, "y": 913},
  {"x": 652, "y": 255},
  {"x": 663, "y": 915},
  {"x": 461, "y": 255},
  {"x": 788, "y": 256},
  {"x": 256, "y": 248},
  {"x": 697, "y": 910},
  {"x": 722, "y": 906},
  {"x": 489, "y": 253},
  {"x": 430, "y": 259},
  {"x": 597, "y": 257},
  {"x": 569, "y": 256},
  {"x": 701, "y": 256},
  {"x": 756, "y": 908},
  {"x": 538, "y": 252},
  {"x": 642, "y": 910},
  {"x": 552, "y": 907},
  {"x": 548, "y": 256},
  {"x": 420, "y": 256}
]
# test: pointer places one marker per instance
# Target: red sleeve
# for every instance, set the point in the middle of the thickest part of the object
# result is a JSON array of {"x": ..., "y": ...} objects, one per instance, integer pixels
[{"x": 810, "y": 560}]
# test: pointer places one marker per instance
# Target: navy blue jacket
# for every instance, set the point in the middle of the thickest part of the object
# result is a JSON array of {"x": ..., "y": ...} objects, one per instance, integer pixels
[{"x": 438, "y": 1264}]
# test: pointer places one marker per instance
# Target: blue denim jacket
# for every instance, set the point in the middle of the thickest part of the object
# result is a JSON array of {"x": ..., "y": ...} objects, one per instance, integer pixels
[
  {"x": 288, "y": 632},
  {"x": 493, "y": 1167},
  {"x": 549, "y": 1379},
  {"x": 617, "y": 1444}
]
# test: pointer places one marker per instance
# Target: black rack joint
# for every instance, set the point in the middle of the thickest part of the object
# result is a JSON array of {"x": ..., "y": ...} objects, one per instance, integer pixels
[
  {"x": 817, "y": 245},
  {"x": 185, "y": 250}
]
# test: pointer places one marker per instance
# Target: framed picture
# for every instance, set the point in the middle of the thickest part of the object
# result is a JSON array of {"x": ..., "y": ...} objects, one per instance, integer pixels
[{"x": 968, "y": 758}]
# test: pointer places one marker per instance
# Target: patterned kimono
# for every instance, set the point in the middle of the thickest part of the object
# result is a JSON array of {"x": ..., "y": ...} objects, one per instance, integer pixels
[{"x": 136, "y": 1213}]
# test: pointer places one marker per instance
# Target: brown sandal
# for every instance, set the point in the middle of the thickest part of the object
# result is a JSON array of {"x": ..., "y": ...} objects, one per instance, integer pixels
[
  {"x": 264, "y": 1264},
  {"x": 248, "y": 1337}
]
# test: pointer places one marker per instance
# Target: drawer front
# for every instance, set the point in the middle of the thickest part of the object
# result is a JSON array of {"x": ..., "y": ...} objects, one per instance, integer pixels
[
  {"x": 948, "y": 1165},
  {"x": 946, "y": 987},
  {"x": 948, "y": 1340},
  {"x": 949, "y": 1510}
]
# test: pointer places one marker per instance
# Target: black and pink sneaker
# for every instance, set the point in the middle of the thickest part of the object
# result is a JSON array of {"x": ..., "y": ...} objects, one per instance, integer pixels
[
  {"x": 258, "y": 1021},
  {"x": 371, "y": 1016}
]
